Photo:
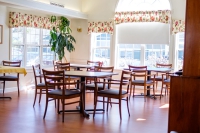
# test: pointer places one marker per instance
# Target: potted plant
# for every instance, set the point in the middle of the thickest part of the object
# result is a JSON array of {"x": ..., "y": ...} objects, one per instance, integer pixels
[{"x": 60, "y": 36}]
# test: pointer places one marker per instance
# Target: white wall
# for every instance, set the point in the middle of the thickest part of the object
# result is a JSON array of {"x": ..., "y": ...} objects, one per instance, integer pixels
[
  {"x": 82, "y": 46},
  {"x": 4, "y": 48}
]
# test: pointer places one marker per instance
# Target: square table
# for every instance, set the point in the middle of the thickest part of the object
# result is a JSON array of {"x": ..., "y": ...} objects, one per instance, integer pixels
[{"x": 11, "y": 69}]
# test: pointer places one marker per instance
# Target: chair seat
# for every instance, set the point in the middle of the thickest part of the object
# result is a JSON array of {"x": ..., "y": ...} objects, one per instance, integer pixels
[
  {"x": 167, "y": 80},
  {"x": 100, "y": 85},
  {"x": 67, "y": 92},
  {"x": 142, "y": 81},
  {"x": 8, "y": 77},
  {"x": 41, "y": 84},
  {"x": 112, "y": 92}
]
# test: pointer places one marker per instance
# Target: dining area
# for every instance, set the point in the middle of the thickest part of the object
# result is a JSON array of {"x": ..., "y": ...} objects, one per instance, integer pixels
[
  {"x": 80, "y": 79},
  {"x": 81, "y": 90}
]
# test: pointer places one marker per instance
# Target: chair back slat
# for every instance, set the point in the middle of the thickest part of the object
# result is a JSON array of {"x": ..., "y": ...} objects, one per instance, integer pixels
[
  {"x": 163, "y": 65},
  {"x": 12, "y": 64},
  {"x": 94, "y": 63},
  {"x": 63, "y": 66},
  {"x": 37, "y": 73}
]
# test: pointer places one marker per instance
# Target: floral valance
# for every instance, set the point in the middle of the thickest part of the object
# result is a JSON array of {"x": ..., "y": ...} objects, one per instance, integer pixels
[
  {"x": 178, "y": 26},
  {"x": 163, "y": 16},
  {"x": 27, "y": 20},
  {"x": 100, "y": 27}
]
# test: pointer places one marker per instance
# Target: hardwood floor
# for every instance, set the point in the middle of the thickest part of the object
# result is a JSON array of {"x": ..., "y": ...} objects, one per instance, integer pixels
[{"x": 18, "y": 116}]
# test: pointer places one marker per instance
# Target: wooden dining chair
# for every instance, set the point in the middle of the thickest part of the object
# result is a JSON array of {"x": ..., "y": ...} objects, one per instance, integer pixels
[
  {"x": 165, "y": 83},
  {"x": 60, "y": 93},
  {"x": 92, "y": 68},
  {"x": 66, "y": 67},
  {"x": 101, "y": 86},
  {"x": 40, "y": 87},
  {"x": 8, "y": 77},
  {"x": 140, "y": 77},
  {"x": 93, "y": 63},
  {"x": 55, "y": 62},
  {"x": 116, "y": 92},
  {"x": 158, "y": 77}
]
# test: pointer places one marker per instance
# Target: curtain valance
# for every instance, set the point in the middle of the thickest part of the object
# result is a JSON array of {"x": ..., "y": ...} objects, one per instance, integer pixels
[
  {"x": 163, "y": 16},
  {"x": 17, "y": 19},
  {"x": 100, "y": 27},
  {"x": 178, "y": 26}
]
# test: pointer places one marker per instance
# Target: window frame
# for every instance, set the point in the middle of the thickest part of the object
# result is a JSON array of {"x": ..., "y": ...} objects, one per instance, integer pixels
[{"x": 25, "y": 46}]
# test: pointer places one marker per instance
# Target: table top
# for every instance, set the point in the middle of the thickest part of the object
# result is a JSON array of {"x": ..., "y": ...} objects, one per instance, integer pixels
[
  {"x": 81, "y": 65},
  {"x": 89, "y": 73},
  {"x": 159, "y": 69},
  {"x": 8, "y": 69},
  {"x": 156, "y": 69}
]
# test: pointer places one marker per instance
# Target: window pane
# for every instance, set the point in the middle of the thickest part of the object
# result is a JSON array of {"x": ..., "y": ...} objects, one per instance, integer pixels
[
  {"x": 48, "y": 56},
  {"x": 102, "y": 55},
  {"x": 46, "y": 37},
  {"x": 33, "y": 54},
  {"x": 158, "y": 53},
  {"x": 101, "y": 48},
  {"x": 17, "y": 53},
  {"x": 17, "y": 35},
  {"x": 128, "y": 54},
  {"x": 180, "y": 49},
  {"x": 32, "y": 36}
]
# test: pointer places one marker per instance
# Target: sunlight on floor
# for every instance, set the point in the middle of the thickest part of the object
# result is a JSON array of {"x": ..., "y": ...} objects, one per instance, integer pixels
[
  {"x": 140, "y": 119},
  {"x": 164, "y": 106}
]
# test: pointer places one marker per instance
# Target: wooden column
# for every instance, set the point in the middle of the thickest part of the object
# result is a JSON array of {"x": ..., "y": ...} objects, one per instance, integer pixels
[
  {"x": 184, "y": 105},
  {"x": 191, "y": 64}
]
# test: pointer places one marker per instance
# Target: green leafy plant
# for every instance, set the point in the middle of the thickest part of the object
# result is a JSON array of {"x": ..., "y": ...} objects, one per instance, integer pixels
[{"x": 60, "y": 36}]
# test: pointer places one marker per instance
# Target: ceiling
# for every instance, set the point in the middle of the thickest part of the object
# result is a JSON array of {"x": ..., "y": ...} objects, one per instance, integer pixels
[
  {"x": 82, "y": 9},
  {"x": 89, "y": 9}
]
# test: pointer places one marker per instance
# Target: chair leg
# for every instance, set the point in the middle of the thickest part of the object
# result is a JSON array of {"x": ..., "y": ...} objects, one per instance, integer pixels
[
  {"x": 55, "y": 102},
  {"x": 145, "y": 93},
  {"x": 167, "y": 88},
  {"x": 58, "y": 102},
  {"x": 127, "y": 106},
  {"x": 45, "y": 108},
  {"x": 154, "y": 92},
  {"x": 133, "y": 90},
  {"x": 63, "y": 113},
  {"x": 161, "y": 90},
  {"x": 4, "y": 82},
  {"x": 35, "y": 97},
  {"x": 18, "y": 86},
  {"x": 95, "y": 106},
  {"x": 120, "y": 112},
  {"x": 108, "y": 99},
  {"x": 103, "y": 103},
  {"x": 156, "y": 85},
  {"x": 130, "y": 91},
  {"x": 40, "y": 95}
]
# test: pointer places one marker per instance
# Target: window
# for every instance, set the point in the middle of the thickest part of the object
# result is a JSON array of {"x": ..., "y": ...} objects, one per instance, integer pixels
[
  {"x": 180, "y": 49},
  {"x": 31, "y": 46},
  {"x": 141, "y": 54},
  {"x": 156, "y": 53},
  {"x": 101, "y": 48}
]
